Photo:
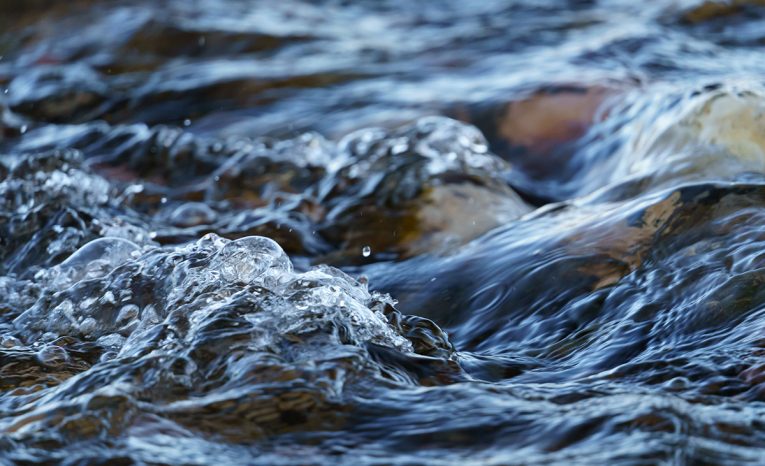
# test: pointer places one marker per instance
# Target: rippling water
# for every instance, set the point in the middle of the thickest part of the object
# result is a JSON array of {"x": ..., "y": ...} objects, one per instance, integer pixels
[{"x": 499, "y": 232}]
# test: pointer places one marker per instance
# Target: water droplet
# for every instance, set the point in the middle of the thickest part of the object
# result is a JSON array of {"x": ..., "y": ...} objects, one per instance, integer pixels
[
  {"x": 163, "y": 200},
  {"x": 366, "y": 251},
  {"x": 23, "y": 129},
  {"x": 186, "y": 122}
]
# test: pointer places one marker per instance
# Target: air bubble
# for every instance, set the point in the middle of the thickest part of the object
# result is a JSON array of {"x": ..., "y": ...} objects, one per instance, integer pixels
[
  {"x": 95, "y": 259},
  {"x": 192, "y": 214},
  {"x": 9, "y": 341},
  {"x": 52, "y": 355},
  {"x": 244, "y": 260}
]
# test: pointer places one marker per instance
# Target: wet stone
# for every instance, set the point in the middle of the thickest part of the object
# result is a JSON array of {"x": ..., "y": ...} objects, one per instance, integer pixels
[{"x": 423, "y": 186}]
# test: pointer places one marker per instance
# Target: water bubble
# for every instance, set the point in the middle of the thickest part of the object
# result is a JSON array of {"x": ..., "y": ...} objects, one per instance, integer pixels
[
  {"x": 52, "y": 355},
  {"x": 192, "y": 214},
  {"x": 94, "y": 259},
  {"x": 186, "y": 122},
  {"x": 245, "y": 259},
  {"x": 108, "y": 356},
  {"x": 366, "y": 251},
  {"x": 9, "y": 341}
]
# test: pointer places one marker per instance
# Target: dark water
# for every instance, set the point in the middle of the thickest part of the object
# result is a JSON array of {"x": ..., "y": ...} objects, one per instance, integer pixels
[{"x": 550, "y": 217}]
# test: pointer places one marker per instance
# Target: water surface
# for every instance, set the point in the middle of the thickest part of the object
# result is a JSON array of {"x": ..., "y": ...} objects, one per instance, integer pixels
[{"x": 443, "y": 232}]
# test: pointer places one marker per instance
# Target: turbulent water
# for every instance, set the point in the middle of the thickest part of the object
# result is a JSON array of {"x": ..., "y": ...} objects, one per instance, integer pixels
[{"x": 394, "y": 232}]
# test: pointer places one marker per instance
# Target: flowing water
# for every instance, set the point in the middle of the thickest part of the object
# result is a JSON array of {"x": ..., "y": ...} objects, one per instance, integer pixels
[{"x": 382, "y": 232}]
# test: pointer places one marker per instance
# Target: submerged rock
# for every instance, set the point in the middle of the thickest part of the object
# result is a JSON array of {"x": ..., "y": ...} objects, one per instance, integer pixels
[
  {"x": 221, "y": 337},
  {"x": 537, "y": 132},
  {"x": 712, "y": 134},
  {"x": 425, "y": 187},
  {"x": 428, "y": 186},
  {"x": 706, "y": 10},
  {"x": 727, "y": 121},
  {"x": 58, "y": 93}
]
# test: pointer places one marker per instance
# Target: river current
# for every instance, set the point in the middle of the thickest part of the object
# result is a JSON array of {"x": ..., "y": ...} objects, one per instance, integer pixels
[{"x": 519, "y": 232}]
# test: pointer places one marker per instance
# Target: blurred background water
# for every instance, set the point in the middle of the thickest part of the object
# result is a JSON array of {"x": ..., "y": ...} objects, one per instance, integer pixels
[{"x": 501, "y": 232}]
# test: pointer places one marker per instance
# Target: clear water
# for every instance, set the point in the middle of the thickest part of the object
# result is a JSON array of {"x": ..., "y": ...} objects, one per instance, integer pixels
[{"x": 442, "y": 232}]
